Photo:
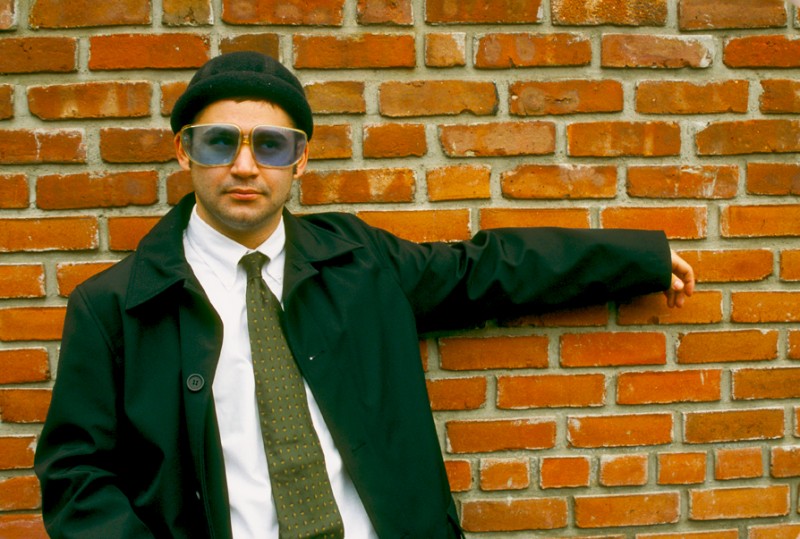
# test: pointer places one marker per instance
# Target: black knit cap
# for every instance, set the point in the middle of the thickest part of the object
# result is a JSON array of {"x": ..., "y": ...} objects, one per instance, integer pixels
[{"x": 244, "y": 74}]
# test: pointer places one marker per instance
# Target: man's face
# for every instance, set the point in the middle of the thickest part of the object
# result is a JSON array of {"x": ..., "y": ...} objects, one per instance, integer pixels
[{"x": 242, "y": 200}]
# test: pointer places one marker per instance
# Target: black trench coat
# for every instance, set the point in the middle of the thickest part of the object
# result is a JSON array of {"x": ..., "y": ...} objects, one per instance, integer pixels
[{"x": 131, "y": 447}]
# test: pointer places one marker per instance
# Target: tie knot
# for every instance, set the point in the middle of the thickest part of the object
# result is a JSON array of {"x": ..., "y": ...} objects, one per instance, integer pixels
[{"x": 253, "y": 263}]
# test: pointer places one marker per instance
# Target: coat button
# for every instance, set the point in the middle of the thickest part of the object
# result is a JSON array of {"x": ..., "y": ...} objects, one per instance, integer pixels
[{"x": 195, "y": 382}]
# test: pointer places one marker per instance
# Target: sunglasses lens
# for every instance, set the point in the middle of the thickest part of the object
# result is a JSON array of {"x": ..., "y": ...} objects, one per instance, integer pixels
[
  {"x": 277, "y": 146},
  {"x": 211, "y": 145}
]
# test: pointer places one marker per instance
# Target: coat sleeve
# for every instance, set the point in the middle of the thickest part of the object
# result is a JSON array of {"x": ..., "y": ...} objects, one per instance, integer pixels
[
  {"x": 75, "y": 456},
  {"x": 510, "y": 272}
]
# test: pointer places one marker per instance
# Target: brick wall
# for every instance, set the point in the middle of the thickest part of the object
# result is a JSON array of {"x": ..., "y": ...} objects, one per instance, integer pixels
[{"x": 436, "y": 119}]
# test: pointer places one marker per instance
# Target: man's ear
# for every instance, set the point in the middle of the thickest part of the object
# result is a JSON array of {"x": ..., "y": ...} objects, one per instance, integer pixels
[
  {"x": 300, "y": 167},
  {"x": 183, "y": 159}
]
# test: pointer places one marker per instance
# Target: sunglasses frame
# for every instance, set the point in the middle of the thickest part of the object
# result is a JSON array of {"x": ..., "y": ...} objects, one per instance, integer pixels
[{"x": 244, "y": 138}]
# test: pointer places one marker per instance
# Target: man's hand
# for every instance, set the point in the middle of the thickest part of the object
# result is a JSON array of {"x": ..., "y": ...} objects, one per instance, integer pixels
[{"x": 682, "y": 282}]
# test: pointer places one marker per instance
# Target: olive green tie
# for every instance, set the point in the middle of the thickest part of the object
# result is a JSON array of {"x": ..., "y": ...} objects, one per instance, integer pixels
[{"x": 303, "y": 496}]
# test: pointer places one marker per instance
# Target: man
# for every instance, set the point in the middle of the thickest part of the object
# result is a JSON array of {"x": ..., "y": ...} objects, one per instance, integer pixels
[{"x": 159, "y": 425}]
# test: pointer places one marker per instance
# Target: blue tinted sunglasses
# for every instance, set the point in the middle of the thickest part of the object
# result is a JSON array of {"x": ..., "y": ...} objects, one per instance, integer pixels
[{"x": 217, "y": 145}]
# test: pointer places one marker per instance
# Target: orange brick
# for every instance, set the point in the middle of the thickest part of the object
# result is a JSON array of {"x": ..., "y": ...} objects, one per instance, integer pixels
[
  {"x": 591, "y": 316},
  {"x": 170, "y": 92},
  {"x": 353, "y": 186},
  {"x": 459, "y": 182},
  {"x": 498, "y": 139},
  {"x": 38, "y": 54},
  {"x": 654, "y": 51},
  {"x": 759, "y": 307},
  {"x": 503, "y": 51},
  {"x": 738, "y": 463},
  {"x": 26, "y": 147},
  {"x": 136, "y": 145},
  {"x": 331, "y": 142},
  {"x": 794, "y": 345},
  {"x": 720, "y": 534},
  {"x": 676, "y": 181},
  {"x": 669, "y": 387},
  {"x": 482, "y": 353},
  {"x": 19, "y": 493},
  {"x": 748, "y": 137},
  {"x": 760, "y": 221},
  {"x": 504, "y": 474},
  {"x": 623, "y": 470},
  {"x": 147, "y": 51},
  {"x": 684, "y": 222},
  {"x": 6, "y": 101},
  {"x": 53, "y": 234},
  {"x": 24, "y": 406},
  {"x": 394, "y": 140},
  {"x": 124, "y": 233},
  {"x": 607, "y": 349},
  {"x": 437, "y": 98},
  {"x": 457, "y": 393},
  {"x": 617, "y": 139},
  {"x": 21, "y": 281},
  {"x": 774, "y": 531},
  {"x": 578, "y": 12},
  {"x": 735, "y": 265},
  {"x": 536, "y": 98},
  {"x": 24, "y": 365},
  {"x": 779, "y": 96},
  {"x": 702, "y": 15},
  {"x": 499, "y": 435},
  {"x": 397, "y": 12},
  {"x": 31, "y": 323},
  {"x": 13, "y": 191},
  {"x": 482, "y": 11},
  {"x": 747, "y": 502},
  {"x": 790, "y": 265},
  {"x": 8, "y": 14},
  {"x": 419, "y": 226},
  {"x": 16, "y": 453},
  {"x": 267, "y": 43},
  {"x": 766, "y": 383},
  {"x": 773, "y": 178},
  {"x": 70, "y": 275},
  {"x": 732, "y": 426},
  {"x": 762, "y": 51},
  {"x": 359, "y": 51},
  {"x": 459, "y": 475},
  {"x": 627, "y": 510},
  {"x": 559, "y": 181},
  {"x": 289, "y": 12},
  {"x": 71, "y": 14},
  {"x": 445, "y": 50},
  {"x": 179, "y": 184},
  {"x": 345, "y": 97},
  {"x": 502, "y": 217},
  {"x": 564, "y": 472},
  {"x": 514, "y": 514},
  {"x": 704, "y": 307},
  {"x": 90, "y": 100},
  {"x": 186, "y": 12},
  {"x": 681, "y": 97},
  {"x": 630, "y": 430},
  {"x": 550, "y": 391},
  {"x": 97, "y": 190},
  {"x": 727, "y": 346},
  {"x": 681, "y": 468},
  {"x": 784, "y": 461},
  {"x": 22, "y": 526}
]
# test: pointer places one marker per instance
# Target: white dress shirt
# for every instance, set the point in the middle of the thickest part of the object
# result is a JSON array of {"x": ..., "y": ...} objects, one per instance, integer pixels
[{"x": 214, "y": 258}]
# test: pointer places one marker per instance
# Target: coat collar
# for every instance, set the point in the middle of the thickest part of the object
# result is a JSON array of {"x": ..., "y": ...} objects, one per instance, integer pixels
[{"x": 160, "y": 263}]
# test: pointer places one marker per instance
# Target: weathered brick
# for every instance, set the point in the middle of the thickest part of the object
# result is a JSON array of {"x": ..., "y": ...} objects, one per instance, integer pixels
[
  {"x": 482, "y": 353},
  {"x": 170, "y": 92},
  {"x": 457, "y": 393},
  {"x": 682, "y": 97},
  {"x": 69, "y": 275},
  {"x": 445, "y": 49},
  {"x": 8, "y": 19},
  {"x": 550, "y": 391},
  {"x": 537, "y": 98},
  {"x": 773, "y": 178},
  {"x": 22, "y": 526},
  {"x": 736, "y": 265},
  {"x": 627, "y": 510},
  {"x": 613, "y": 12},
  {"x": 459, "y": 475},
  {"x": 790, "y": 265},
  {"x": 498, "y": 139},
  {"x": 24, "y": 365},
  {"x": 679, "y": 222},
  {"x": 514, "y": 514},
  {"x": 564, "y": 472},
  {"x": 784, "y": 462},
  {"x": 705, "y": 307},
  {"x": 419, "y": 226},
  {"x": 360, "y": 51},
  {"x": 27, "y": 147},
  {"x": 732, "y": 425},
  {"x": 459, "y": 182},
  {"x": 331, "y": 142},
  {"x": 83, "y": 13},
  {"x": 559, "y": 181},
  {"x": 13, "y": 191},
  {"x": 714, "y": 534},
  {"x": 669, "y": 387},
  {"x": 616, "y": 139},
  {"x": 6, "y": 101},
  {"x": 774, "y": 531},
  {"x": 607, "y": 349},
  {"x": 780, "y": 96},
  {"x": 96, "y": 190},
  {"x": 286, "y": 12},
  {"x": 147, "y": 51},
  {"x": 21, "y": 281},
  {"x": 19, "y": 492},
  {"x": 749, "y": 136},
  {"x": 762, "y": 51},
  {"x": 504, "y": 474},
  {"x": 623, "y": 470},
  {"x": 355, "y": 186},
  {"x": 760, "y": 221},
  {"x": 23, "y": 406},
  {"x": 136, "y": 145},
  {"x": 794, "y": 345},
  {"x": 437, "y": 98},
  {"x": 727, "y": 346},
  {"x": 738, "y": 463},
  {"x": 631, "y": 430},
  {"x": 124, "y": 233},
  {"x": 336, "y": 97},
  {"x": 561, "y": 217},
  {"x": 654, "y": 51},
  {"x": 763, "y": 383},
  {"x": 398, "y": 12},
  {"x": 90, "y": 100},
  {"x": 179, "y": 184},
  {"x": 681, "y": 468},
  {"x": 38, "y": 54},
  {"x": 503, "y": 51},
  {"x": 482, "y": 11},
  {"x": 499, "y": 435},
  {"x": 709, "y": 15},
  {"x": 745, "y": 502},
  {"x": 16, "y": 453},
  {"x": 683, "y": 181},
  {"x": 186, "y": 12},
  {"x": 394, "y": 140},
  {"x": 53, "y": 234}
]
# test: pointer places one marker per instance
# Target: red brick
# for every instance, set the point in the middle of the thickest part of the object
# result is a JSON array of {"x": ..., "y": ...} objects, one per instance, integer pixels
[
  {"x": 727, "y": 346},
  {"x": 738, "y": 463},
  {"x": 654, "y": 51},
  {"x": 784, "y": 461},
  {"x": 147, "y": 51},
  {"x": 345, "y": 97},
  {"x": 13, "y": 191},
  {"x": 170, "y": 92},
  {"x": 396, "y": 12},
  {"x": 606, "y": 349},
  {"x": 564, "y": 472},
  {"x": 6, "y": 101},
  {"x": 503, "y": 51},
  {"x": 591, "y": 316},
  {"x": 504, "y": 474},
  {"x": 482, "y": 11},
  {"x": 706, "y": 15},
  {"x": 736, "y": 265},
  {"x": 681, "y": 97},
  {"x": 612, "y": 12},
  {"x": 459, "y": 475},
  {"x": 732, "y": 426},
  {"x": 747, "y": 502},
  {"x": 760, "y": 221},
  {"x": 681, "y": 468},
  {"x": 286, "y": 12},
  {"x": 70, "y": 275},
  {"x": 24, "y": 365},
  {"x": 561, "y": 217},
  {"x": 19, "y": 493},
  {"x": 22, "y": 526},
  {"x": 683, "y": 181},
  {"x": 23, "y": 406},
  {"x": 559, "y": 181},
  {"x": 136, "y": 145},
  {"x": 179, "y": 184},
  {"x": 437, "y": 98},
  {"x": 684, "y": 222},
  {"x": 267, "y": 43},
  {"x": 704, "y": 307},
  {"x": 331, "y": 142},
  {"x": 186, "y": 12},
  {"x": 780, "y": 96},
  {"x": 16, "y": 453},
  {"x": 457, "y": 393},
  {"x": 483, "y": 353},
  {"x": 749, "y": 136},
  {"x": 21, "y": 281},
  {"x": 355, "y": 186},
  {"x": 759, "y": 307},
  {"x": 393, "y": 140},
  {"x": 499, "y": 435},
  {"x": 420, "y": 226},
  {"x": 623, "y": 470},
  {"x": 31, "y": 323},
  {"x": 38, "y": 54},
  {"x": 627, "y": 510},
  {"x": 498, "y": 139},
  {"x": 27, "y": 147},
  {"x": 762, "y": 51},
  {"x": 8, "y": 21},
  {"x": 124, "y": 233},
  {"x": 537, "y": 98},
  {"x": 773, "y": 178},
  {"x": 763, "y": 383},
  {"x": 790, "y": 265},
  {"x": 445, "y": 50},
  {"x": 794, "y": 345},
  {"x": 78, "y": 14},
  {"x": 359, "y": 51},
  {"x": 90, "y": 100},
  {"x": 774, "y": 531},
  {"x": 54, "y": 234},
  {"x": 459, "y": 182},
  {"x": 719, "y": 534},
  {"x": 97, "y": 190},
  {"x": 514, "y": 514},
  {"x": 550, "y": 391},
  {"x": 616, "y": 139},
  {"x": 669, "y": 387},
  {"x": 630, "y": 430}
]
